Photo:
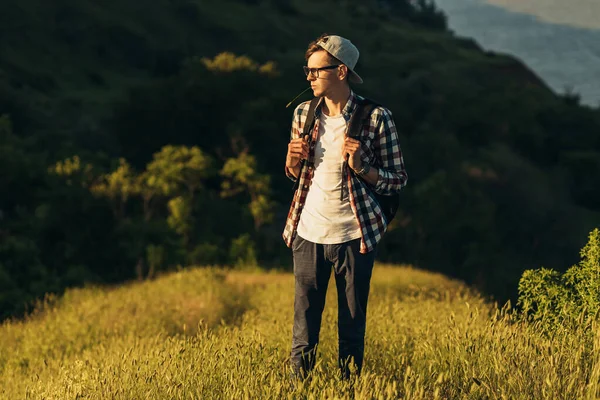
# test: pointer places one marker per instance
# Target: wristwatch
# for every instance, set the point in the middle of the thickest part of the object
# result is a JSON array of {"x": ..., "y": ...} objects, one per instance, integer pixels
[{"x": 364, "y": 170}]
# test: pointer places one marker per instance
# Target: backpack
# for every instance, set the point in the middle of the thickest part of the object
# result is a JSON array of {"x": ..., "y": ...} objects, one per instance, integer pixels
[{"x": 388, "y": 203}]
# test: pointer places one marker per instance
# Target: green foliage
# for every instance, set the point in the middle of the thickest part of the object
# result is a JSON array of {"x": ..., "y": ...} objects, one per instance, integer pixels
[
  {"x": 6, "y": 131},
  {"x": 168, "y": 196},
  {"x": 118, "y": 186},
  {"x": 584, "y": 169},
  {"x": 243, "y": 251},
  {"x": 421, "y": 12},
  {"x": 174, "y": 168},
  {"x": 73, "y": 171},
  {"x": 572, "y": 298},
  {"x": 179, "y": 215},
  {"x": 206, "y": 254},
  {"x": 241, "y": 176},
  {"x": 228, "y": 62},
  {"x": 44, "y": 246},
  {"x": 186, "y": 100},
  {"x": 155, "y": 257}
]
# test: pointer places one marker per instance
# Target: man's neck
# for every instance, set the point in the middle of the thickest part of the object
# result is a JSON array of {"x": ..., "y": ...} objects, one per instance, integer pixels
[{"x": 334, "y": 103}]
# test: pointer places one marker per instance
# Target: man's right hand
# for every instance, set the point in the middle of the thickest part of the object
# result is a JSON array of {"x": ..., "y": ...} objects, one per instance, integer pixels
[{"x": 297, "y": 150}]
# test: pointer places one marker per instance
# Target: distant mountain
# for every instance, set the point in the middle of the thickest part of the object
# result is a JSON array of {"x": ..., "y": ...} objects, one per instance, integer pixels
[
  {"x": 582, "y": 13},
  {"x": 566, "y": 57}
]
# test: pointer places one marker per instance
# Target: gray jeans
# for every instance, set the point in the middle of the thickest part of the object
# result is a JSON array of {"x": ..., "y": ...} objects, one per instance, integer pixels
[{"x": 312, "y": 268}]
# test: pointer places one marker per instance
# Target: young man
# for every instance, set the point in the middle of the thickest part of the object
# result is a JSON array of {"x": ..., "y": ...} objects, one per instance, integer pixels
[{"x": 334, "y": 219}]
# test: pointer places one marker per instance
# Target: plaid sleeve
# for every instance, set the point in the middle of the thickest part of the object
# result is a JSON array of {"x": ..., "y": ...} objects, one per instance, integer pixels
[
  {"x": 294, "y": 134},
  {"x": 392, "y": 174}
]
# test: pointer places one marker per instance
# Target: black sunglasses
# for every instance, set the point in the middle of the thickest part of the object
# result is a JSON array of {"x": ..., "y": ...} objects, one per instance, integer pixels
[{"x": 315, "y": 71}]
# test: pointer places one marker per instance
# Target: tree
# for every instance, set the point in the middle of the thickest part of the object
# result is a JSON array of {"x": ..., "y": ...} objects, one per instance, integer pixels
[
  {"x": 118, "y": 186},
  {"x": 241, "y": 176}
]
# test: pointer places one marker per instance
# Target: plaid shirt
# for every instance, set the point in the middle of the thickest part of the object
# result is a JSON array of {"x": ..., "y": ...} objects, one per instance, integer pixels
[{"x": 380, "y": 148}]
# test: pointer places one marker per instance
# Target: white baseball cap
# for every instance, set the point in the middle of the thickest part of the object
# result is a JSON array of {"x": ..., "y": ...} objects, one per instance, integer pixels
[{"x": 342, "y": 49}]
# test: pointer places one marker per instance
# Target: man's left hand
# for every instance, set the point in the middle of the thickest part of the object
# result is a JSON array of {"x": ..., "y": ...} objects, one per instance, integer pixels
[{"x": 351, "y": 152}]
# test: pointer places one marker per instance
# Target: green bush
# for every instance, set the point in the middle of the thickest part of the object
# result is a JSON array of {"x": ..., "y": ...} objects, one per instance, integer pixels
[
  {"x": 243, "y": 251},
  {"x": 572, "y": 298}
]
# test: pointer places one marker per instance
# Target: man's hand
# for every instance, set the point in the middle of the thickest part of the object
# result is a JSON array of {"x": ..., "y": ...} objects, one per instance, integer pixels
[
  {"x": 351, "y": 152},
  {"x": 297, "y": 150}
]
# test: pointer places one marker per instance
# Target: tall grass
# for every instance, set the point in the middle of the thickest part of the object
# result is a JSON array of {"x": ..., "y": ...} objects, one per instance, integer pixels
[{"x": 208, "y": 333}]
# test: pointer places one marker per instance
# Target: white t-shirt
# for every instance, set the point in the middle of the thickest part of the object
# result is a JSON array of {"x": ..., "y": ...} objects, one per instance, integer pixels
[{"x": 325, "y": 218}]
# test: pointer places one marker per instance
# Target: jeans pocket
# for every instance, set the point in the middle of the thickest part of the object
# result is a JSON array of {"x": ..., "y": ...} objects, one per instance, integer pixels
[{"x": 297, "y": 242}]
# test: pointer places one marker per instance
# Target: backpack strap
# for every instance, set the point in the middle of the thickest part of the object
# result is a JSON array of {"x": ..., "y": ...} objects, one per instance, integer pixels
[
  {"x": 360, "y": 117},
  {"x": 310, "y": 118},
  {"x": 309, "y": 123}
]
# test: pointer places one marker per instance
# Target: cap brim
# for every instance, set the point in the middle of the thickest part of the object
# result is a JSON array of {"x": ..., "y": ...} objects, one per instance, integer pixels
[{"x": 354, "y": 77}]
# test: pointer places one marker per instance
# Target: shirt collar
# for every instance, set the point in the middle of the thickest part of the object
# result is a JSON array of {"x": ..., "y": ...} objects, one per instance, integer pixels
[{"x": 346, "y": 111}]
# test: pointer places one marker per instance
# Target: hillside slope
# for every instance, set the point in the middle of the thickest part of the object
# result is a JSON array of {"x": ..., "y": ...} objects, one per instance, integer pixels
[
  {"x": 502, "y": 171},
  {"x": 85, "y": 52}
]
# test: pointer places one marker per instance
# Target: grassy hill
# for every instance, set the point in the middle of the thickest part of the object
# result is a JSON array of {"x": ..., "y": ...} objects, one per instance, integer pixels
[{"x": 210, "y": 333}]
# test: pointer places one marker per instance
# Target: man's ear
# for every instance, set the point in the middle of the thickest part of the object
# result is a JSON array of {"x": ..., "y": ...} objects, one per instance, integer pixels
[{"x": 343, "y": 72}]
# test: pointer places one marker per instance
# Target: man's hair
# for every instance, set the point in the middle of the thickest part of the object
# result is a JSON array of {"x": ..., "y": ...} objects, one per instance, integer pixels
[{"x": 313, "y": 47}]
